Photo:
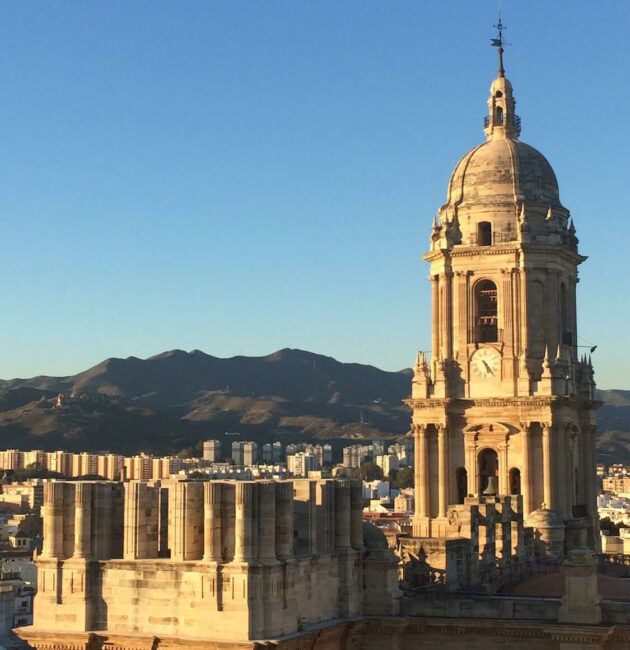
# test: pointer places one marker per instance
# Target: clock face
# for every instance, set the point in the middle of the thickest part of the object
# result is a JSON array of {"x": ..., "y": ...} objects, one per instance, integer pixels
[{"x": 486, "y": 363}]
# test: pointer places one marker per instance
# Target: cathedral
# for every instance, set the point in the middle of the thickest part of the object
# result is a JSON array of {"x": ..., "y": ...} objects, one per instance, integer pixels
[
  {"x": 503, "y": 417},
  {"x": 505, "y": 404}
]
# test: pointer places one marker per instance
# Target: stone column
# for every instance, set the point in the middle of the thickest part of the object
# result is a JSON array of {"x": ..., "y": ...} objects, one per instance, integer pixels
[
  {"x": 443, "y": 477},
  {"x": 570, "y": 469},
  {"x": 356, "y": 515},
  {"x": 561, "y": 452},
  {"x": 523, "y": 310},
  {"x": 325, "y": 492},
  {"x": 504, "y": 470},
  {"x": 266, "y": 522},
  {"x": 508, "y": 339},
  {"x": 421, "y": 467},
  {"x": 470, "y": 462},
  {"x": 243, "y": 533},
  {"x": 342, "y": 514},
  {"x": 82, "y": 520},
  {"x": 186, "y": 521},
  {"x": 102, "y": 523},
  {"x": 212, "y": 522},
  {"x": 140, "y": 521},
  {"x": 447, "y": 307},
  {"x": 53, "y": 520},
  {"x": 284, "y": 520},
  {"x": 435, "y": 324},
  {"x": 547, "y": 445},
  {"x": 526, "y": 486}
]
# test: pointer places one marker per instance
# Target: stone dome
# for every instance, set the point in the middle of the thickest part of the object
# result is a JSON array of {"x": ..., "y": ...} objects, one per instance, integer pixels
[
  {"x": 373, "y": 538},
  {"x": 503, "y": 173},
  {"x": 500, "y": 184}
]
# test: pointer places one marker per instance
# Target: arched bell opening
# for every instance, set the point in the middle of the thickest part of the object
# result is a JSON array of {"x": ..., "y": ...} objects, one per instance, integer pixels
[
  {"x": 486, "y": 311},
  {"x": 515, "y": 480},
  {"x": 488, "y": 471},
  {"x": 461, "y": 481}
]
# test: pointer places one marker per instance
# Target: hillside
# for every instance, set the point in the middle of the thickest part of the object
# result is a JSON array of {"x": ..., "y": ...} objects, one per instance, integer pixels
[{"x": 172, "y": 401}]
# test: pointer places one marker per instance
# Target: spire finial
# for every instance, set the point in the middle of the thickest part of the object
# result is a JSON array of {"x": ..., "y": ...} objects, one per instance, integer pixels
[{"x": 499, "y": 43}]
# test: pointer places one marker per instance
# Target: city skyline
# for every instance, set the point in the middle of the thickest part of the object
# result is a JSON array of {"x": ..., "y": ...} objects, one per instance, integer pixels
[{"x": 245, "y": 178}]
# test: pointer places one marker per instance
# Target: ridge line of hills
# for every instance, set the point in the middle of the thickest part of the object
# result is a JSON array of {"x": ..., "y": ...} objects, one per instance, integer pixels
[{"x": 170, "y": 402}]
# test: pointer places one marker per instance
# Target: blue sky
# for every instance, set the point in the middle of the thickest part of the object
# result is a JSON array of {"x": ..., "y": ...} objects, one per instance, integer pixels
[{"x": 244, "y": 176}]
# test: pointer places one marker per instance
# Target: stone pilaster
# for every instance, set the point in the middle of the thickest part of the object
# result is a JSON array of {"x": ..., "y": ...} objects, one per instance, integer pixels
[
  {"x": 581, "y": 602},
  {"x": 212, "y": 521},
  {"x": 141, "y": 512},
  {"x": 342, "y": 514},
  {"x": 421, "y": 481},
  {"x": 186, "y": 521},
  {"x": 526, "y": 484},
  {"x": 549, "y": 495},
  {"x": 266, "y": 522},
  {"x": 83, "y": 520},
  {"x": 243, "y": 528},
  {"x": 356, "y": 515},
  {"x": 53, "y": 520},
  {"x": 284, "y": 520},
  {"x": 443, "y": 477}
]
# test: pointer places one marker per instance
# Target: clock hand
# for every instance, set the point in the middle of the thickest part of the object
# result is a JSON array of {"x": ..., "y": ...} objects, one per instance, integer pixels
[{"x": 488, "y": 368}]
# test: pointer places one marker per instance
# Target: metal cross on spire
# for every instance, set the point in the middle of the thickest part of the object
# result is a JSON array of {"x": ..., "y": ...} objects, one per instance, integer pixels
[{"x": 499, "y": 43}]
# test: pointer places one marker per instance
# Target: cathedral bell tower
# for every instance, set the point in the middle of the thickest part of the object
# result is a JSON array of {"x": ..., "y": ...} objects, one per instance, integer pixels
[{"x": 505, "y": 404}]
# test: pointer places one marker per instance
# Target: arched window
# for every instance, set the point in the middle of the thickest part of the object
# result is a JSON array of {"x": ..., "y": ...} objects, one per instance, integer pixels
[
  {"x": 498, "y": 94},
  {"x": 488, "y": 469},
  {"x": 499, "y": 116},
  {"x": 515, "y": 480},
  {"x": 486, "y": 311},
  {"x": 484, "y": 233},
  {"x": 461, "y": 478}
]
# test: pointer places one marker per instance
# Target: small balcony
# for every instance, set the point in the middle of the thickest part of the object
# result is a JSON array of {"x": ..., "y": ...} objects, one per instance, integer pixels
[
  {"x": 515, "y": 121},
  {"x": 488, "y": 239}
]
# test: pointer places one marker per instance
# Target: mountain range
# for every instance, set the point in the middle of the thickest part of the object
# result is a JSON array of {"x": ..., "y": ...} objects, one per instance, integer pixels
[{"x": 171, "y": 402}]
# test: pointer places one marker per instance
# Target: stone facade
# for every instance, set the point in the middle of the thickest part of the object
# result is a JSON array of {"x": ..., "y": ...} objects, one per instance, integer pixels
[
  {"x": 211, "y": 560},
  {"x": 503, "y": 419},
  {"x": 505, "y": 405}
]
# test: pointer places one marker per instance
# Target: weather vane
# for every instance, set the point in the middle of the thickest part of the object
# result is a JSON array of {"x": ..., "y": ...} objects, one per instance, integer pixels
[{"x": 499, "y": 43}]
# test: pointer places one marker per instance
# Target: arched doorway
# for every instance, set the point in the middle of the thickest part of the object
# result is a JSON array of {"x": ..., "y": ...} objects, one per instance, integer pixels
[
  {"x": 461, "y": 479},
  {"x": 488, "y": 468},
  {"x": 515, "y": 480}
]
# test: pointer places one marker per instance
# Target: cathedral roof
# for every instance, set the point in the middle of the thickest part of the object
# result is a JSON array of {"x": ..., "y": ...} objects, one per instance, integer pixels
[{"x": 503, "y": 170}]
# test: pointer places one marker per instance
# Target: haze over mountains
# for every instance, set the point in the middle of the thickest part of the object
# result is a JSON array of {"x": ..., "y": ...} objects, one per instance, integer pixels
[{"x": 172, "y": 401}]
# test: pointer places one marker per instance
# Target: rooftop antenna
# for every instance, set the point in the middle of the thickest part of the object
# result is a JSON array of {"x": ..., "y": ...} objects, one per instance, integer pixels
[{"x": 499, "y": 43}]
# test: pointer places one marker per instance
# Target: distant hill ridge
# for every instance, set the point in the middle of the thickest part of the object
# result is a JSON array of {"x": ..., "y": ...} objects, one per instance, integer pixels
[
  {"x": 171, "y": 401},
  {"x": 175, "y": 399}
]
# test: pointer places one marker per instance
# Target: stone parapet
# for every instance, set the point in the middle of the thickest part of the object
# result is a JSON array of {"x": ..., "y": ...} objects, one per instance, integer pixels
[{"x": 217, "y": 559}]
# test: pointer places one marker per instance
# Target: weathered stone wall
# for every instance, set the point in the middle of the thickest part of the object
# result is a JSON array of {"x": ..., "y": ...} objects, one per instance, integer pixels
[
  {"x": 233, "y": 559},
  {"x": 375, "y": 634}
]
